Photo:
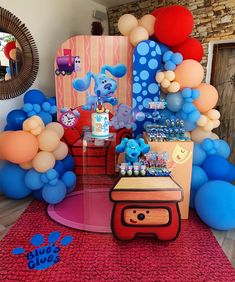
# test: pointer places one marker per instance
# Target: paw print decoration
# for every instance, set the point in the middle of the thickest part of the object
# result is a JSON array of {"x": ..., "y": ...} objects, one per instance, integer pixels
[{"x": 44, "y": 256}]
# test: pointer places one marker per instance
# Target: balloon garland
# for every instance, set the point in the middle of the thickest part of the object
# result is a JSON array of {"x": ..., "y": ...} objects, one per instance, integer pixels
[
  {"x": 180, "y": 80},
  {"x": 34, "y": 153}
]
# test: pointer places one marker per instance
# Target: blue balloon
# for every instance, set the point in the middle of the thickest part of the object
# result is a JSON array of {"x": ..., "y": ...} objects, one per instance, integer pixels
[
  {"x": 68, "y": 163},
  {"x": 59, "y": 167},
  {"x": 231, "y": 175},
  {"x": 163, "y": 47},
  {"x": 216, "y": 167},
  {"x": 71, "y": 188},
  {"x": 215, "y": 204},
  {"x": 33, "y": 180},
  {"x": 199, "y": 177},
  {"x": 194, "y": 116},
  {"x": 37, "y": 194},
  {"x": 28, "y": 107},
  {"x": 46, "y": 117},
  {"x": 188, "y": 108},
  {"x": 167, "y": 56},
  {"x": 169, "y": 66},
  {"x": 199, "y": 154},
  {"x": 189, "y": 125},
  {"x": 12, "y": 181},
  {"x": 222, "y": 148},
  {"x": 8, "y": 128},
  {"x": 16, "y": 118},
  {"x": 208, "y": 146},
  {"x": 192, "y": 198},
  {"x": 52, "y": 101},
  {"x": 46, "y": 106},
  {"x": 8, "y": 70},
  {"x": 69, "y": 178},
  {"x": 54, "y": 194},
  {"x": 34, "y": 96},
  {"x": 177, "y": 58},
  {"x": 37, "y": 108},
  {"x": 174, "y": 102}
]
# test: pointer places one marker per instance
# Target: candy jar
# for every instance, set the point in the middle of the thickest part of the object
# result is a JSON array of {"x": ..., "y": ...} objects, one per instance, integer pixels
[
  {"x": 129, "y": 170},
  {"x": 143, "y": 170}
]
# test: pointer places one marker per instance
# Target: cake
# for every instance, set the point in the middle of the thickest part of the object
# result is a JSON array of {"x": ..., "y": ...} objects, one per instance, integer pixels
[{"x": 100, "y": 125}]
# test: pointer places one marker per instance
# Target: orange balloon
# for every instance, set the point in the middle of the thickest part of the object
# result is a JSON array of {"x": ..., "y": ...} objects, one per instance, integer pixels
[
  {"x": 61, "y": 151},
  {"x": 48, "y": 140},
  {"x": 208, "y": 97},
  {"x": 43, "y": 161},
  {"x": 3, "y": 134},
  {"x": 148, "y": 22},
  {"x": 12, "y": 54},
  {"x": 19, "y": 147},
  {"x": 189, "y": 73}
]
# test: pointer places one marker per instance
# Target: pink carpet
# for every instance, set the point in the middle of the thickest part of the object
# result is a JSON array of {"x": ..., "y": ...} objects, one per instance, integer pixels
[
  {"x": 194, "y": 256},
  {"x": 87, "y": 210}
]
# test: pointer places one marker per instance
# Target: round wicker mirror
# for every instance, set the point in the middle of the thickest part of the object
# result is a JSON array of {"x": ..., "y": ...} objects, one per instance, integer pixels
[{"x": 18, "y": 84}]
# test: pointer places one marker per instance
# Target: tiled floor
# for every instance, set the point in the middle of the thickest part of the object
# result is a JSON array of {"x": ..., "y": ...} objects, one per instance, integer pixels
[{"x": 10, "y": 211}]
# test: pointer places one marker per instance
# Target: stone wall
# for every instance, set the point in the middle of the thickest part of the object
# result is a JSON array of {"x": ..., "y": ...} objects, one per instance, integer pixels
[{"x": 213, "y": 19}]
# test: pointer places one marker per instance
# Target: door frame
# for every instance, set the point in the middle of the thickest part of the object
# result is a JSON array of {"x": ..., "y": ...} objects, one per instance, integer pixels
[{"x": 211, "y": 55}]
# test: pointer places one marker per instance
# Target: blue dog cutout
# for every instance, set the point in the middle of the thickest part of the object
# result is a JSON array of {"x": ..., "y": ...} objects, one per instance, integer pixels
[
  {"x": 104, "y": 88},
  {"x": 133, "y": 149},
  {"x": 44, "y": 257},
  {"x": 147, "y": 59}
]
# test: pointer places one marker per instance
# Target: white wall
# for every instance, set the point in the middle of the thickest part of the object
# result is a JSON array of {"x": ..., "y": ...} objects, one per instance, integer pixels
[{"x": 50, "y": 22}]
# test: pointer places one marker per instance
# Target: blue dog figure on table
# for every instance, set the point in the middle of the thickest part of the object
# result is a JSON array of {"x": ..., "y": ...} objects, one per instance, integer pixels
[
  {"x": 105, "y": 86},
  {"x": 133, "y": 149}
]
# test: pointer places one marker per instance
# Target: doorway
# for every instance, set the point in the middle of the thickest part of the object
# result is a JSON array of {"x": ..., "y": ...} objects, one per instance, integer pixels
[{"x": 223, "y": 79}]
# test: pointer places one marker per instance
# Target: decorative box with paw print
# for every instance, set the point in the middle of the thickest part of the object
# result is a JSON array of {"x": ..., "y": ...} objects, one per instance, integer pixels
[{"x": 146, "y": 206}]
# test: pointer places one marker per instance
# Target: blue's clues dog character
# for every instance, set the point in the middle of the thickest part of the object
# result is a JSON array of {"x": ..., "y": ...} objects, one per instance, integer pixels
[
  {"x": 133, "y": 149},
  {"x": 123, "y": 117},
  {"x": 105, "y": 86}
]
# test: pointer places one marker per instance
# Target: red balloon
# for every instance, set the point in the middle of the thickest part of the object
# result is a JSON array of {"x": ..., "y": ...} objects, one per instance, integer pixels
[
  {"x": 191, "y": 48},
  {"x": 157, "y": 11},
  {"x": 10, "y": 45},
  {"x": 173, "y": 25}
]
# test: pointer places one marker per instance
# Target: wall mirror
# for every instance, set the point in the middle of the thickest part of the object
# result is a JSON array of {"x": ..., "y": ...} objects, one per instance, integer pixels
[{"x": 19, "y": 59}]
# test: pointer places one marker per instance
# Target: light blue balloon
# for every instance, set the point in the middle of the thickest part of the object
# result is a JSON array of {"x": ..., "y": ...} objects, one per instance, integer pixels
[
  {"x": 222, "y": 148},
  {"x": 167, "y": 56},
  {"x": 188, "y": 108},
  {"x": 199, "y": 154},
  {"x": 215, "y": 204},
  {"x": 33, "y": 180},
  {"x": 54, "y": 194},
  {"x": 199, "y": 177},
  {"x": 28, "y": 107},
  {"x": 169, "y": 66},
  {"x": 189, "y": 125},
  {"x": 46, "y": 117},
  {"x": 69, "y": 178},
  {"x": 194, "y": 116},
  {"x": 177, "y": 58},
  {"x": 174, "y": 102}
]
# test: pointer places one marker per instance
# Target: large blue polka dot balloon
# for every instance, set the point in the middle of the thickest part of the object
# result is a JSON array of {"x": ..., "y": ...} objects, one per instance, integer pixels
[{"x": 147, "y": 62}]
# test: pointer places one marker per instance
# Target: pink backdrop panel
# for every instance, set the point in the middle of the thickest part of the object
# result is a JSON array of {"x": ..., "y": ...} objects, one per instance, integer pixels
[{"x": 94, "y": 51}]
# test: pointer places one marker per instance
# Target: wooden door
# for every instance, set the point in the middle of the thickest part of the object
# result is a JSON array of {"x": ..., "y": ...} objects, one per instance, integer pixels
[{"x": 223, "y": 78}]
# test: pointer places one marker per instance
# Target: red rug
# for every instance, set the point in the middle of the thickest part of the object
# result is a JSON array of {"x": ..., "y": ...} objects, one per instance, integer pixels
[{"x": 194, "y": 256}]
